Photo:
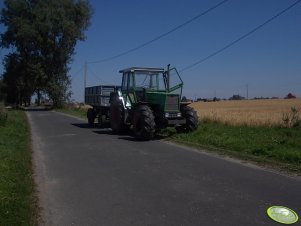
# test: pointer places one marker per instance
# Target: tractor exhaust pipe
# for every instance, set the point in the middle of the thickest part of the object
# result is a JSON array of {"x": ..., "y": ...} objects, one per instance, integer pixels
[{"x": 168, "y": 77}]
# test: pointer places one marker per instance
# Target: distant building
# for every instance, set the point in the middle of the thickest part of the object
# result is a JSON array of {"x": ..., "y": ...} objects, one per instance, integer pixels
[
  {"x": 290, "y": 96},
  {"x": 236, "y": 97}
]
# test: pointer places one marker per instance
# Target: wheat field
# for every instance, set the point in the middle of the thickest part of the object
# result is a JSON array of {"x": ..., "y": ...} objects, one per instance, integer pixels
[{"x": 248, "y": 112}]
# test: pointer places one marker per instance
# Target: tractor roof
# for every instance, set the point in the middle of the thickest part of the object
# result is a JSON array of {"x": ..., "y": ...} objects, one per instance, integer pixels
[{"x": 142, "y": 69}]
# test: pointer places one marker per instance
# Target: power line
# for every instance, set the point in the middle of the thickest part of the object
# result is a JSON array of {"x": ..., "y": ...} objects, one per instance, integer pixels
[
  {"x": 95, "y": 76},
  {"x": 77, "y": 72},
  {"x": 240, "y": 38},
  {"x": 162, "y": 35}
]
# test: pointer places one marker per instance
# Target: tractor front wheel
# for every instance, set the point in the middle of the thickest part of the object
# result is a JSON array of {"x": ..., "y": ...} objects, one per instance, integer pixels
[
  {"x": 191, "y": 120},
  {"x": 144, "y": 123}
]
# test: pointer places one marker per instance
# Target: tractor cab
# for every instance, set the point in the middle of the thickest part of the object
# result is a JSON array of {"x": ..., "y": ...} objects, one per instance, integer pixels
[{"x": 151, "y": 85}]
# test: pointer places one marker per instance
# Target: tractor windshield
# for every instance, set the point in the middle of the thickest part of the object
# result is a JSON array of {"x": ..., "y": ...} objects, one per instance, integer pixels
[
  {"x": 159, "y": 81},
  {"x": 150, "y": 80}
]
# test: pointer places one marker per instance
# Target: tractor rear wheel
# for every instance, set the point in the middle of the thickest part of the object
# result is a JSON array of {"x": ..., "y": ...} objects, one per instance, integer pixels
[
  {"x": 117, "y": 116},
  {"x": 144, "y": 123},
  {"x": 91, "y": 116},
  {"x": 191, "y": 120}
]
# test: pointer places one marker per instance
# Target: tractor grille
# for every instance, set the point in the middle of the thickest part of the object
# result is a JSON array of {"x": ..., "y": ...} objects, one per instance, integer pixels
[{"x": 172, "y": 103}]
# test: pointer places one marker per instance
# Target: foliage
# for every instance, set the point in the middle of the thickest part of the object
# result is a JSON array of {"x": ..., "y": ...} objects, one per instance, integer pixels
[
  {"x": 292, "y": 118},
  {"x": 18, "y": 80},
  {"x": 2, "y": 88},
  {"x": 290, "y": 96},
  {"x": 275, "y": 145},
  {"x": 43, "y": 35},
  {"x": 18, "y": 204}
]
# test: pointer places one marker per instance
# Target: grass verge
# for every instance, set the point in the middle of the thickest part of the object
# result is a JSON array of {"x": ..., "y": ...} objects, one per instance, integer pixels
[
  {"x": 276, "y": 147},
  {"x": 18, "y": 204}
]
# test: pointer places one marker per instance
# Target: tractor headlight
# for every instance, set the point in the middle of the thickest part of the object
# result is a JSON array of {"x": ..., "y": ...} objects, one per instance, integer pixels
[{"x": 173, "y": 115}]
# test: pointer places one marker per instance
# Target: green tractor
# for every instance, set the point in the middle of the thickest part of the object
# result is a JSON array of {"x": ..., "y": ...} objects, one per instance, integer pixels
[{"x": 150, "y": 99}]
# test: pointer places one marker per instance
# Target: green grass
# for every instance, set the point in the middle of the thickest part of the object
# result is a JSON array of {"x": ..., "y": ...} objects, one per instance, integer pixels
[
  {"x": 3, "y": 115},
  {"x": 277, "y": 147},
  {"x": 18, "y": 204}
]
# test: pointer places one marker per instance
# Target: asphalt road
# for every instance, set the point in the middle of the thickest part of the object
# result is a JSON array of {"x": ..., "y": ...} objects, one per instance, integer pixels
[{"x": 88, "y": 176}]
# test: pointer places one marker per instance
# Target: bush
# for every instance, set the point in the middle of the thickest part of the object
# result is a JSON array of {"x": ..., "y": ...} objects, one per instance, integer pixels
[
  {"x": 292, "y": 118},
  {"x": 3, "y": 116}
]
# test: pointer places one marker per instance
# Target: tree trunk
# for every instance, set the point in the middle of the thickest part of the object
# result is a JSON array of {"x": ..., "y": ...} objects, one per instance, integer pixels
[{"x": 39, "y": 97}]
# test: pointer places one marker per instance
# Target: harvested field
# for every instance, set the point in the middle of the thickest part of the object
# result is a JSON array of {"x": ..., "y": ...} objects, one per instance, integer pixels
[{"x": 248, "y": 112}]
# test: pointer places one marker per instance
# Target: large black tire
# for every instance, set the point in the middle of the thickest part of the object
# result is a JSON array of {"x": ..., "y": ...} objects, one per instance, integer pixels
[
  {"x": 91, "y": 116},
  {"x": 144, "y": 123},
  {"x": 191, "y": 120},
  {"x": 117, "y": 116}
]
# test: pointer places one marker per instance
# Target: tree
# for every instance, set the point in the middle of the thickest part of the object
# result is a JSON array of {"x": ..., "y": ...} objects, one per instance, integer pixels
[
  {"x": 19, "y": 78},
  {"x": 290, "y": 96},
  {"x": 2, "y": 88},
  {"x": 44, "y": 35}
]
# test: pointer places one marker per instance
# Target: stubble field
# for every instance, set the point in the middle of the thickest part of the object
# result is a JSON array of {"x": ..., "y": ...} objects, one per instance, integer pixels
[{"x": 248, "y": 112}]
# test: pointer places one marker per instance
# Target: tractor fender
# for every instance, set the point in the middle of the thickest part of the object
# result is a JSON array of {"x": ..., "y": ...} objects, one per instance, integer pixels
[
  {"x": 182, "y": 104},
  {"x": 118, "y": 95}
]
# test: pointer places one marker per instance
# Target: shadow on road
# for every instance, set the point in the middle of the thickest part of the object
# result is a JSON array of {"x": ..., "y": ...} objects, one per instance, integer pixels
[
  {"x": 105, "y": 130},
  {"x": 83, "y": 125},
  {"x": 88, "y": 126},
  {"x": 132, "y": 138}
]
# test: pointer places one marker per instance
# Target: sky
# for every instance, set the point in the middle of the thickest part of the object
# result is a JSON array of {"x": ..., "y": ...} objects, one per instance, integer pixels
[{"x": 268, "y": 61}]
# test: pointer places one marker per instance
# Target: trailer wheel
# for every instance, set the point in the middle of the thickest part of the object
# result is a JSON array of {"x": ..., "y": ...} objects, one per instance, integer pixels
[
  {"x": 144, "y": 123},
  {"x": 90, "y": 116},
  {"x": 117, "y": 116},
  {"x": 191, "y": 120}
]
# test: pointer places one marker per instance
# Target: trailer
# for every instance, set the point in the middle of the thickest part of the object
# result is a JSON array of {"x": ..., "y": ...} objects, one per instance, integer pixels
[{"x": 99, "y": 98}]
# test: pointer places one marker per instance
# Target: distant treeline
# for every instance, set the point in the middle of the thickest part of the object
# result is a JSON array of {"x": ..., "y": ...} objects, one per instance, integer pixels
[{"x": 238, "y": 97}]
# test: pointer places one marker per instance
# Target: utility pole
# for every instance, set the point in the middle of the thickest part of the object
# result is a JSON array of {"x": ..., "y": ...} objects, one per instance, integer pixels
[
  {"x": 85, "y": 79},
  {"x": 247, "y": 86},
  {"x": 85, "y": 75}
]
